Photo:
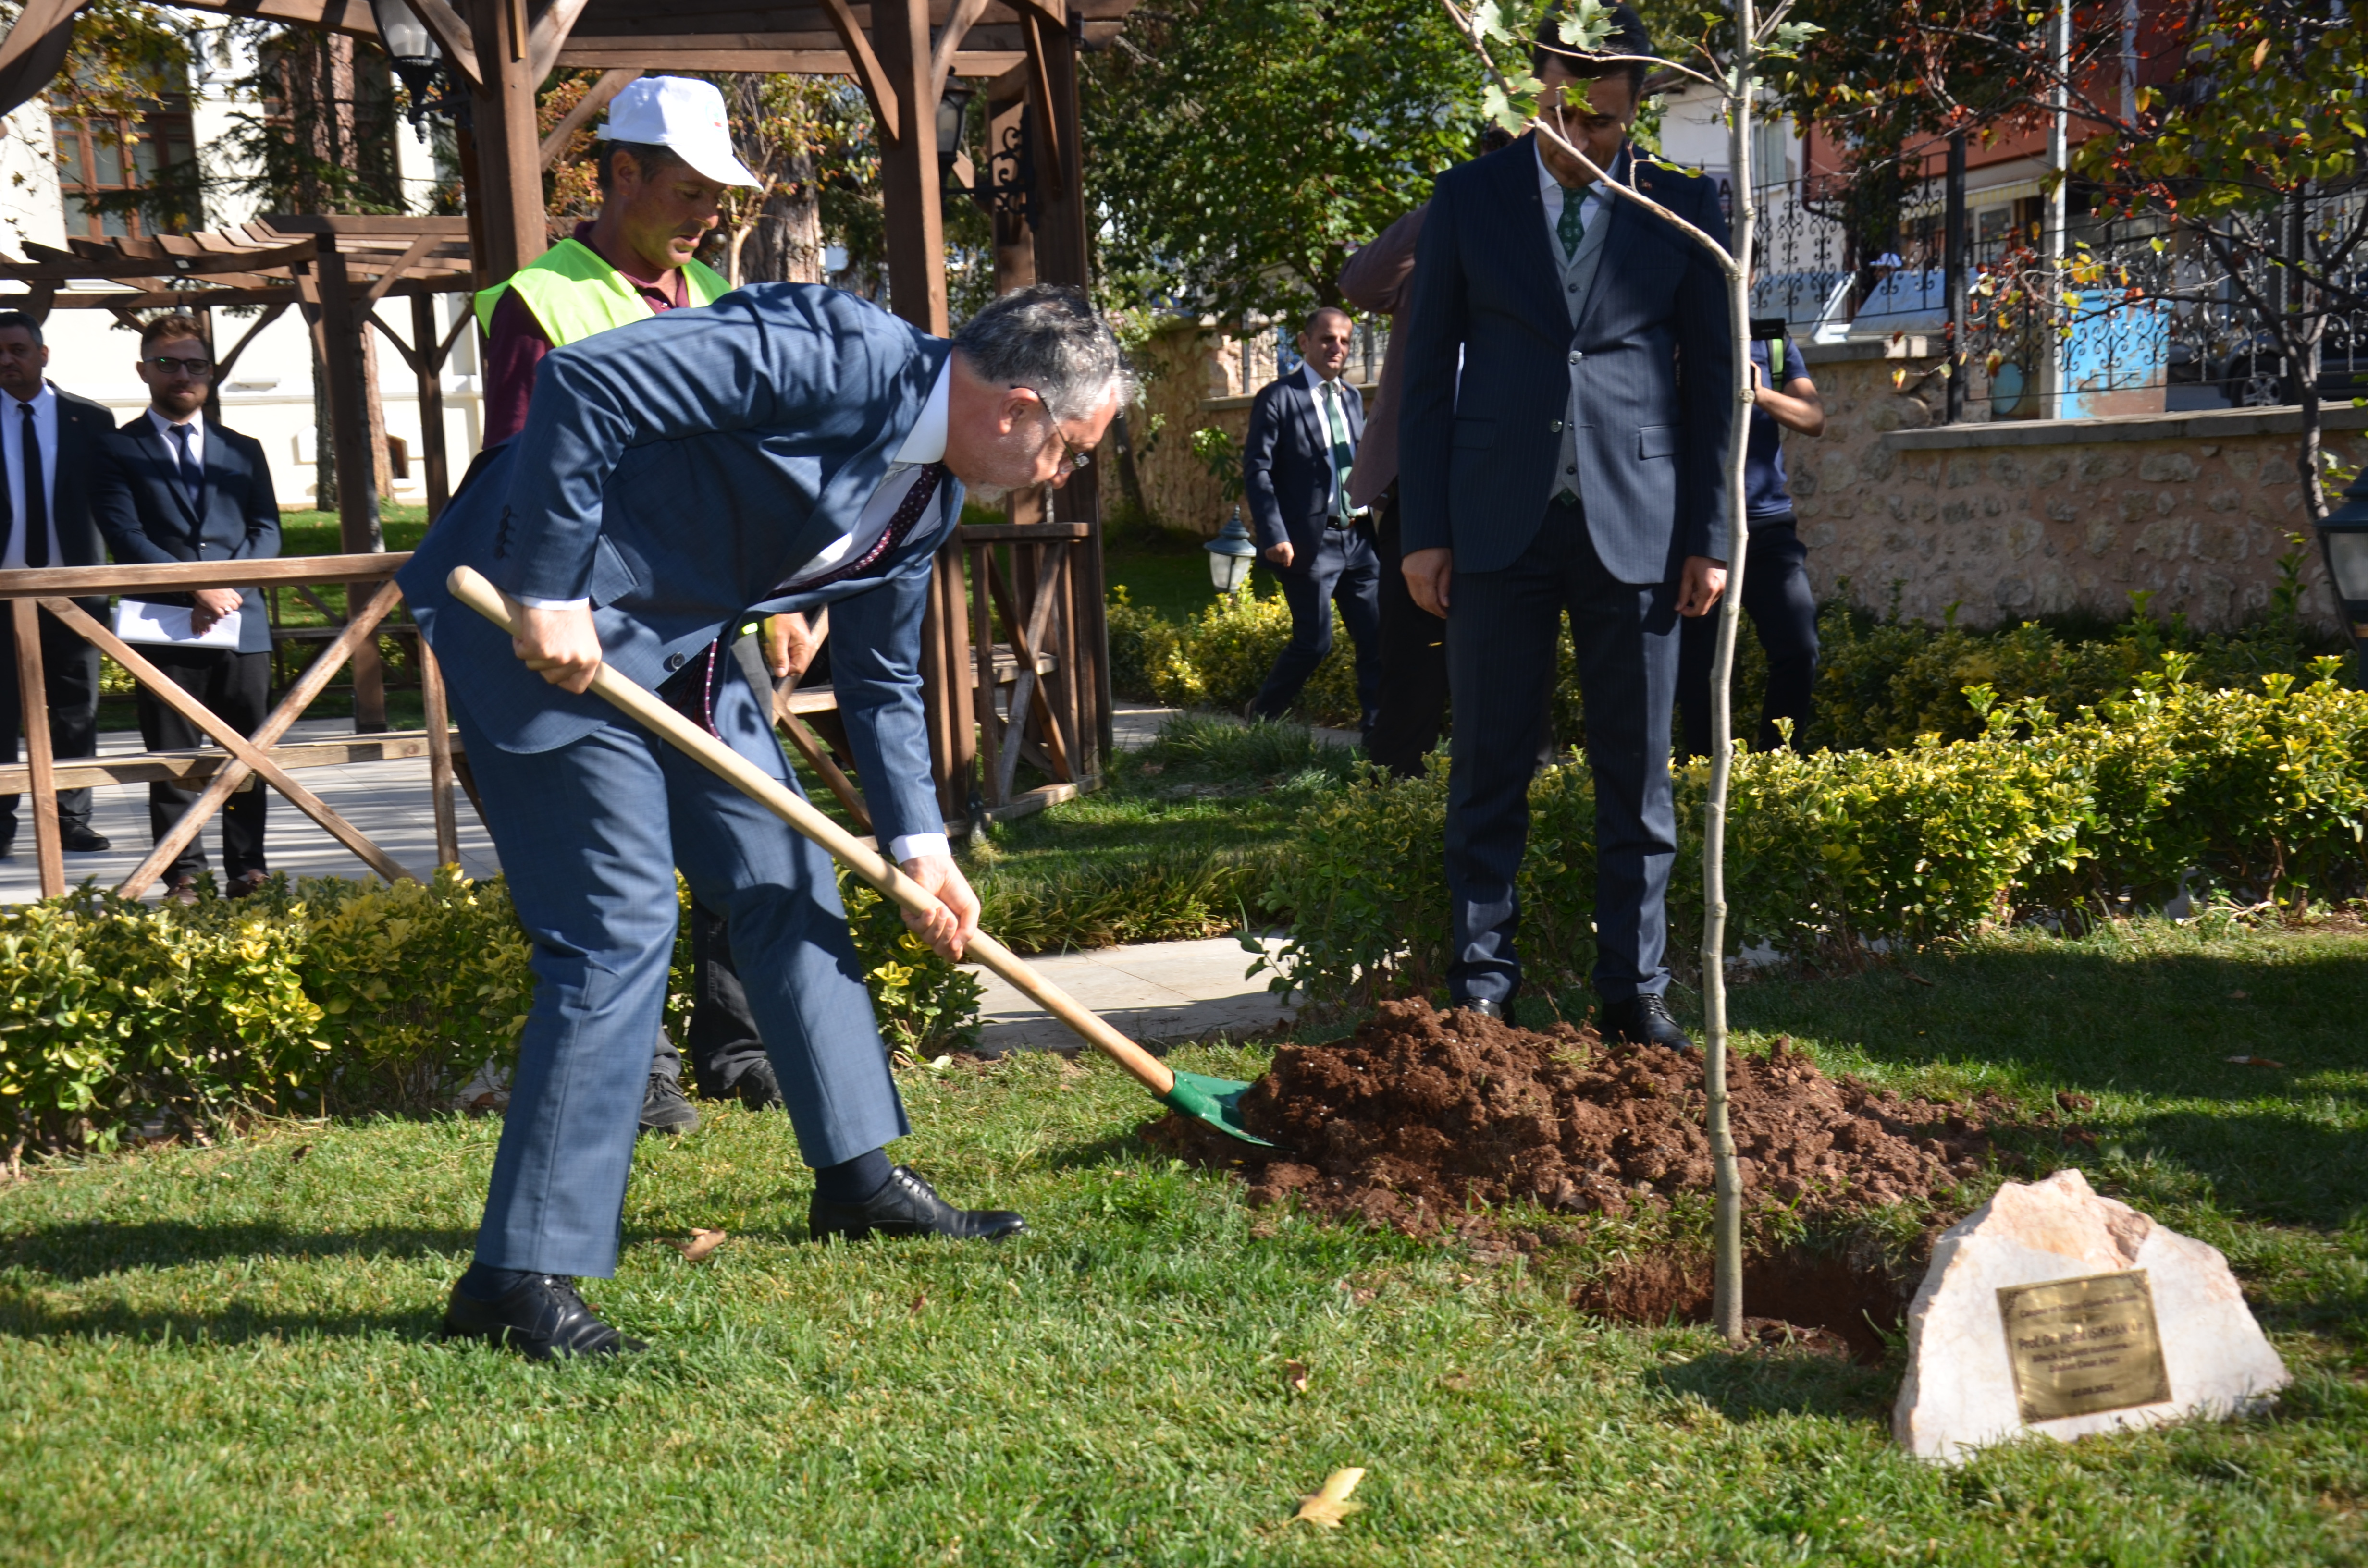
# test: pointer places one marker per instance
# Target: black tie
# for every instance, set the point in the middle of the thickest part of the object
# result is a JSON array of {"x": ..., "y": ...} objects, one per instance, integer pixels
[
  {"x": 193, "y": 478},
  {"x": 36, "y": 500}
]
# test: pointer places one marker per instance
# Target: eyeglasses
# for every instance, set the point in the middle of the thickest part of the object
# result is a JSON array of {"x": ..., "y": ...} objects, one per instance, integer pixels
[
  {"x": 1073, "y": 457},
  {"x": 196, "y": 369}
]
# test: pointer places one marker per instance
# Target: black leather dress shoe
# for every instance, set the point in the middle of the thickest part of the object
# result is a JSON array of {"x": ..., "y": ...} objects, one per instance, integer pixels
[
  {"x": 1644, "y": 1020},
  {"x": 79, "y": 840},
  {"x": 907, "y": 1206},
  {"x": 540, "y": 1317},
  {"x": 757, "y": 1087},
  {"x": 1485, "y": 1008},
  {"x": 664, "y": 1109}
]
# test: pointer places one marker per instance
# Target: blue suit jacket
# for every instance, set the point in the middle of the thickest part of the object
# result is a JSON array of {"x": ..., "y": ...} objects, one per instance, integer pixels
[
  {"x": 675, "y": 472},
  {"x": 1287, "y": 464},
  {"x": 1476, "y": 460},
  {"x": 144, "y": 511}
]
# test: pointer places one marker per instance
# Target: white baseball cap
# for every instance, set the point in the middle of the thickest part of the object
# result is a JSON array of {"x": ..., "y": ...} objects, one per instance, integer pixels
[{"x": 686, "y": 116}]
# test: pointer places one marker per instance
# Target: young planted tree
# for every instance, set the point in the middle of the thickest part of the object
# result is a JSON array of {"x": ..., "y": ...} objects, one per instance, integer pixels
[{"x": 1733, "y": 68}]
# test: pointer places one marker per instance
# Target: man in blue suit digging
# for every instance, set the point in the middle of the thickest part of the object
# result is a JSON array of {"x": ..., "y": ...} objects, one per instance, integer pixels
[{"x": 786, "y": 448}]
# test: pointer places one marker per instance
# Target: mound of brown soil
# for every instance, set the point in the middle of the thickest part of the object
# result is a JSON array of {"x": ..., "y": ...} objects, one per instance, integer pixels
[{"x": 1422, "y": 1115}]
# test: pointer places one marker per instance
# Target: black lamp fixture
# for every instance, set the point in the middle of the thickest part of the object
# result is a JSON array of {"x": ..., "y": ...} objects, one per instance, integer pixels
[
  {"x": 952, "y": 109},
  {"x": 418, "y": 58},
  {"x": 1230, "y": 554},
  {"x": 2343, "y": 534}
]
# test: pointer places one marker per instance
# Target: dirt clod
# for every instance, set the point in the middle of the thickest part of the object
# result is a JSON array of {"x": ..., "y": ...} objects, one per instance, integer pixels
[{"x": 1422, "y": 1115}]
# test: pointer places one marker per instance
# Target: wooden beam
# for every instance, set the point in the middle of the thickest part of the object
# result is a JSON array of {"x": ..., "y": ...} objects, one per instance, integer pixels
[
  {"x": 351, "y": 17},
  {"x": 193, "y": 768},
  {"x": 549, "y": 35},
  {"x": 33, "y": 709},
  {"x": 611, "y": 54},
  {"x": 90, "y": 581},
  {"x": 941, "y": 57},
  {"x": 602, "y": 94},
  {"x": 908, "y": 169},
  {"x": 452, "y": 34},
  {"x": 507, "y": 144},
  {"x": 868, "y": 73},
  {"x": 393, "y": 274}
]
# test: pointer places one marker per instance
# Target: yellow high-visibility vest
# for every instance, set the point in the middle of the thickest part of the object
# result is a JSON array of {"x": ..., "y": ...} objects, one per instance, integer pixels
[{"x": 574, "y": 292}]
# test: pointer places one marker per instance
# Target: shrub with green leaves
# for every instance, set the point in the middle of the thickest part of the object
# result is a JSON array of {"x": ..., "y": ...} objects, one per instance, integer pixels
[
  {"x": 2264, "y": 793},
  {"x": 1220, "y": 658},
  {"x": 327, "y": 996}
]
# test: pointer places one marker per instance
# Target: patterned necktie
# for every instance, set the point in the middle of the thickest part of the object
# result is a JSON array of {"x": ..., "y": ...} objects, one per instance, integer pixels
[
  {"x": 1571, "y": 227},
  {"x": 37, "y": 497},
  {"x": 908, "y": 512},
  {"x": 193, "y": 478},
  {"x": 1336, "y": 426}
]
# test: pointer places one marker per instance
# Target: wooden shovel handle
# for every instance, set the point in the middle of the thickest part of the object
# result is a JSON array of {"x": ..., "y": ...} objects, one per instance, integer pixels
[{"x": 644, "y": 709}]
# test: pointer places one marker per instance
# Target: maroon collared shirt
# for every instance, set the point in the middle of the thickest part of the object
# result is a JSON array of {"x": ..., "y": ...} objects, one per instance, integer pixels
[{"x": 519, "y": 343}]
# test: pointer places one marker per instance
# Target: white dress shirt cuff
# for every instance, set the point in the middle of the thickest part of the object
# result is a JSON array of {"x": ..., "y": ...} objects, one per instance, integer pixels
[
  {"x": 553, "y": 604},
  {"x": 909, "y": 845}
]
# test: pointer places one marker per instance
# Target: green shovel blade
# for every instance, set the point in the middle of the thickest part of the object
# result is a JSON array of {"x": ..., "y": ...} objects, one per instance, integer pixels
[{"x": 1214, "y": 1101}]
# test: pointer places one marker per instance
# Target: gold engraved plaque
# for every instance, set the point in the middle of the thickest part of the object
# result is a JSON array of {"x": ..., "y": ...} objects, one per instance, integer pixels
[{"x": 2082, "y": 1346}]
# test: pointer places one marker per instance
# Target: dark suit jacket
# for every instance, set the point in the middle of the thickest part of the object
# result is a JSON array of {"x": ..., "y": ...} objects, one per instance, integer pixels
[
  {"x": 675, "y": 472},
  {"x": 1287, "y": 465},
  {"x": 1476, "y": 460},
  {"x": 144, "y": 510},
  {"x": 83, "y": 430}
]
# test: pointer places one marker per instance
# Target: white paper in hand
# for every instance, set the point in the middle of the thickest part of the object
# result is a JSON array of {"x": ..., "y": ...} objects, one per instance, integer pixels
[{"x": 137, "y": 621}]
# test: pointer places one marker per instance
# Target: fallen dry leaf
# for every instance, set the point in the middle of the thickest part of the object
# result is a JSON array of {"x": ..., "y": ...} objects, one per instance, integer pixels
[
  {"x": 1918, "y": 978},
  {"x": 2235, "y": 996},
  {"x": 1330, "y": 1506},
  {"x": 701, "y": 1243},
  {"x": 1296, "y": 1371},
  {"x": 298, "y": 1153},
  {"x": 918, "y": 1302},
  {"x": 2255, "y": 1062}
]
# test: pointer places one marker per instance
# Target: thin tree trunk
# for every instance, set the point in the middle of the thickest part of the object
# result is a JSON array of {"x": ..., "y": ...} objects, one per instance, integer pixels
[{"x": 1727, "y": 1220}]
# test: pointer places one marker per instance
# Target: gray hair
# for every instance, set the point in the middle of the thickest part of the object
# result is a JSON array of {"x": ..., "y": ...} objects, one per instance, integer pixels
[{"x": 1048, "y": 339}]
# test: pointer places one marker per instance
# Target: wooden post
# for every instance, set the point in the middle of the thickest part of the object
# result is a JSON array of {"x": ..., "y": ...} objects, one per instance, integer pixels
[
  {"x": 509, "y": 152},
  {"x": 427, "y": 347},
  {"x": 358, "y": 533},
  {"x": 1009, "y": 158},
  {"x": 439, "y": 756},
  {"x": 33, "y": 704},
  {"x": 908, "y": 167}
]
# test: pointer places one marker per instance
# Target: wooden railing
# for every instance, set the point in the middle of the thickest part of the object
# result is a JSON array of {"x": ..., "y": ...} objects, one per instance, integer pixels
[{"x": 262, "y": 755}]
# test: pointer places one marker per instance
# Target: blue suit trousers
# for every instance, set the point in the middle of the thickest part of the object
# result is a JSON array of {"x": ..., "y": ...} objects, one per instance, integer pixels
[
  {"x": 590, "y": 834},
  {"x": 1344, "y": 567},
  {"x": 1500, "y": 651}
]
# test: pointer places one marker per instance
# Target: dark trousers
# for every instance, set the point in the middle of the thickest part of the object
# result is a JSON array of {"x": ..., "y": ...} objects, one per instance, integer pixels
[
  {"x": 238, "y": 687},
  {"x": 1776, "y": 596},
  {"x": 1501, "y": 652},
  {"x": 1413, "y": 708},
  {"x": 1345, "y": 569},
  {"x": 722, "y": 1035},
  {"x": 70, "y": 672}
]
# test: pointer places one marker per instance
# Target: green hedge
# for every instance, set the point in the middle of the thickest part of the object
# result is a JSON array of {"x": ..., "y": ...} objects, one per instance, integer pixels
[
  {"x": 2265, "y": 792},
  {"x": 329, "y": 997},
  {"x": 1219, "y": 658}
]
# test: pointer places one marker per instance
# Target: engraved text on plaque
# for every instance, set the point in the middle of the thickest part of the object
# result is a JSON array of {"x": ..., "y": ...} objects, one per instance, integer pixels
[{"x": 2081, "y": 1347}]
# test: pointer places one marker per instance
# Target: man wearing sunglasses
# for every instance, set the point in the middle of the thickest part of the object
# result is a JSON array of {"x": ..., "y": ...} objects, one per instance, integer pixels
[
  {"x": 50, "y": 446},
  {"x": 178, "y": 487}
]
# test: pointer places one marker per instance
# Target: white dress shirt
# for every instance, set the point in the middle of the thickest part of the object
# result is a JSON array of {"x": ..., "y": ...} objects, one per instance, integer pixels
[
  {"x": 1598, "y": 203},
  {"x": 45, "y": 405},
  {"x": 1339, "y": 394},
  {"x": 195, "y": 424}
]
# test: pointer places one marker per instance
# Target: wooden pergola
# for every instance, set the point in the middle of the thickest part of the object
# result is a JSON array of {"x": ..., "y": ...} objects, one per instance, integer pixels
[{"x": 1040, "y": 689}]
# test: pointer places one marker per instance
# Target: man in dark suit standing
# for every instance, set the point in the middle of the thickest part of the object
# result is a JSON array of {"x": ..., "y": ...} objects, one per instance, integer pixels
[
  {"x": 788, "y": 447},
  {"x": 1296, "y": 473},
  {"x": 1568, "y": 404},
  {"x": 50, "y": 444},
  {"x": 181, "y": 487}
]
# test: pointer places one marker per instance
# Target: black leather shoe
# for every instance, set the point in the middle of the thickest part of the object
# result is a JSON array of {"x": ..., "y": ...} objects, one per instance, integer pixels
[
  {"x": 79, "y": 840},
  {"x": 1482, "y": 1005},
  {"x": 1644, "y": 1020},
  {"x": 664, "y": 1110},
  {"x": 907, "y": 1206},
  {"x": 757, "y": 1087},
  {"x": 540, "y": 1317}
]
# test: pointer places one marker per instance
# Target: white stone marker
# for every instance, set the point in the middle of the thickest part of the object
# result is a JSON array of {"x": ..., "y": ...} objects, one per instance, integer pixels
[{"x": 2145, "y": 1325}]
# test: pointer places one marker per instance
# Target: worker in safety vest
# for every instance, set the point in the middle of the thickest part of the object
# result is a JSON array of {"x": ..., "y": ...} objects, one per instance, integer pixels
[{"x": 666, "y": 157}]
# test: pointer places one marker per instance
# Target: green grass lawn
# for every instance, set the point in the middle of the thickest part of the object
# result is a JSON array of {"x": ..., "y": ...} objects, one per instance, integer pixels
[
  {"x": 224, "y": 1355},
  {"x": 1169, "y": 572}
]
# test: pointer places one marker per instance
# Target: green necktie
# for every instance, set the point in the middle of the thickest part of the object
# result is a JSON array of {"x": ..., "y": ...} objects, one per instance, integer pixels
[
  {"x": 1572, "y": 226},
  {"x": 1336, "y": 426}
]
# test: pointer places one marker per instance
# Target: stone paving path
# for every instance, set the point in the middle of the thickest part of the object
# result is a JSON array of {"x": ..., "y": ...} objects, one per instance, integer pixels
[{"x": 1164, "y": 992}]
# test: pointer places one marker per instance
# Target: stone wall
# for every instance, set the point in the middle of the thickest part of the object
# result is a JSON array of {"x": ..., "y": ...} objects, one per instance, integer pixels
[{"x": 2019, "y": 518}]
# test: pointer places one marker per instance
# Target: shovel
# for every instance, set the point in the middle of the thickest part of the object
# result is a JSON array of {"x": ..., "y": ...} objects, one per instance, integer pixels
[{"x": 1215, "y": 1102}]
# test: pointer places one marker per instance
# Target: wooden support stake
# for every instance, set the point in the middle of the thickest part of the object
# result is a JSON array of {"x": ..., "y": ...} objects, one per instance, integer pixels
[
  {"x": 439, "y": 756},
  {"x": 33, "y": 704},
  {"x": 430, "y": 371},
  {"x": 990, "y": 735}
]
